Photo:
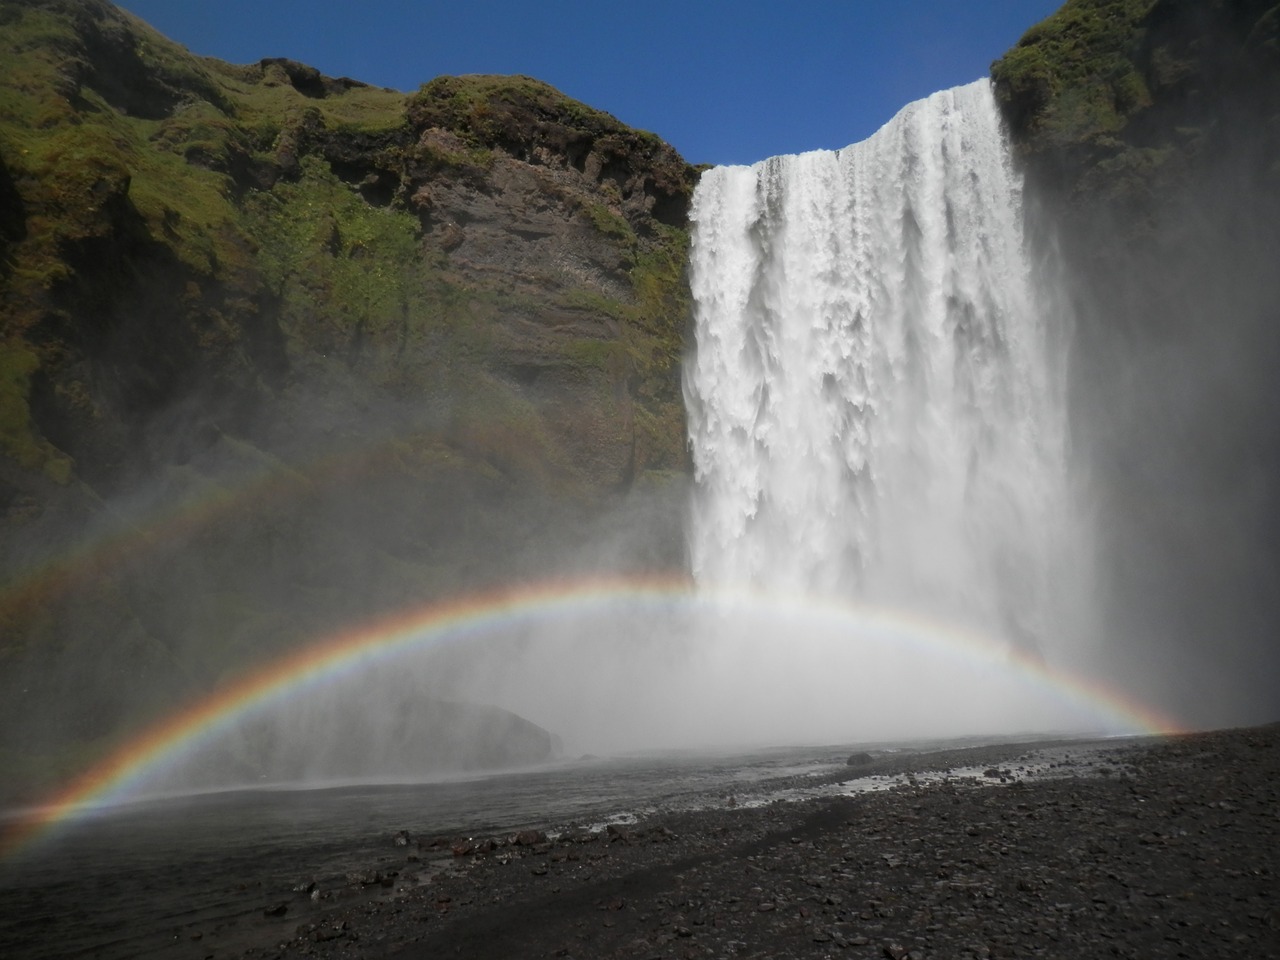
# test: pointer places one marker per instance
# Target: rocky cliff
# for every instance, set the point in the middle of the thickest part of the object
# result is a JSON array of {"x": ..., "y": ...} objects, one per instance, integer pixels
[
  {"x": 1151, "y": 136},
  {"x": 282, "y": 351}
]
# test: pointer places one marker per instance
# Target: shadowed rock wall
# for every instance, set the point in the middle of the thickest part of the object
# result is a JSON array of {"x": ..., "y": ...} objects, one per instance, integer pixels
[{"x": 1151, "y": 136}]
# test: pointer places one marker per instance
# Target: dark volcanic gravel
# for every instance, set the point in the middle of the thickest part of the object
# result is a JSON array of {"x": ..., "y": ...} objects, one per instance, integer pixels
[{"x": 1157, "y": 848}]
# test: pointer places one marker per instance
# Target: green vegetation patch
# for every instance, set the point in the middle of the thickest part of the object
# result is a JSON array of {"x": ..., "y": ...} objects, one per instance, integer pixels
[
  {"x": 1073, "y": 75},
  {"x": 263, "y": 97},
  {"x": 611, "y": 224},
  {"x": 491, "y": 109},
  {"x": 18, "y": 437},
  {"x": 324, "y": 250},
  {"x": 662, "y": 289}
]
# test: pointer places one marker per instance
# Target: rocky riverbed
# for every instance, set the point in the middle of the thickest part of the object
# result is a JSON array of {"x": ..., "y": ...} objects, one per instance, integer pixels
[{"x": 1153, "y": 848}]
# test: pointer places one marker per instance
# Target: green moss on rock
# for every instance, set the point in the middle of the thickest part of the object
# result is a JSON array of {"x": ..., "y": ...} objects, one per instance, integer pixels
[
  {"x": 1074, "y": 75},
  {"x": 19, "y": 438},
  {"x": 1100, "y": 78}
]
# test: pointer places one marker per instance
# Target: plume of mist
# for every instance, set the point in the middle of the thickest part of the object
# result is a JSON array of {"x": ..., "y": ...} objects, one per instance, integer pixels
[
  {"x": 638, "y": 672},
  {"x": 1175, "y": 410}
]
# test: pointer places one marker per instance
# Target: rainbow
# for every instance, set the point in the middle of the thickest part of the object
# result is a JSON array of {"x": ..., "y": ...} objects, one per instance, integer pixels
[
  {"x": 265, "y": 484},
  {"x": 480, "y": 615}
]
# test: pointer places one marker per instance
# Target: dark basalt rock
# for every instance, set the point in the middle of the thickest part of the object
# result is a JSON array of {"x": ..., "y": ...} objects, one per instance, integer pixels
[{"x": 307, "y": 80}]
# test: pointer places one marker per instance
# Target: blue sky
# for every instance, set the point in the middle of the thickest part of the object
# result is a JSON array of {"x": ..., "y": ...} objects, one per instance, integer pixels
[{"x": 724, "y": 82}]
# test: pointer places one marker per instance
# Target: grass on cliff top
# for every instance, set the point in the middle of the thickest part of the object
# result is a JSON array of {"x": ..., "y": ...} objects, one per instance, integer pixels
[
  {"x": 1072, "y": 76},
  {"x": 467, "y": 103},
  {"x": 151, "y": 93},
  {"x": 263, "y": 97}
]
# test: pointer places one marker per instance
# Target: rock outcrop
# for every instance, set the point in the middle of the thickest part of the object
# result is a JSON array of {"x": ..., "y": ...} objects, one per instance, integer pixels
[{"x": 393, "y": 732}]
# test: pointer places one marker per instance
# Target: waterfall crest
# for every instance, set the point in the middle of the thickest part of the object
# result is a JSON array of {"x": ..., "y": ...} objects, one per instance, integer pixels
[{"x": 873, "y": 411}]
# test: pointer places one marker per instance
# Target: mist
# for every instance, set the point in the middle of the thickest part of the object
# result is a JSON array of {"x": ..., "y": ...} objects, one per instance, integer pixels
[
  {"x": 1175, "y": 414},
  {"x": 637, "y": 670}
]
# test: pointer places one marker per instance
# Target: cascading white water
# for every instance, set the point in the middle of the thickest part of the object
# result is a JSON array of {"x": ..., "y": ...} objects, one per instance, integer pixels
[{"x": 873, "y": 410}]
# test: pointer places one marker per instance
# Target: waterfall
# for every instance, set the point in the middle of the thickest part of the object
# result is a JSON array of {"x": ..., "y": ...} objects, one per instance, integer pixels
[{"x": 874, "y": 410}]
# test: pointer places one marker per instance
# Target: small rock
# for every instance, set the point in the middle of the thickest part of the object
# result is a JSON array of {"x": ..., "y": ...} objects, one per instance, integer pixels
[
  {"x": 329, "y": 931},
  {"x": 275, "y": 910}
]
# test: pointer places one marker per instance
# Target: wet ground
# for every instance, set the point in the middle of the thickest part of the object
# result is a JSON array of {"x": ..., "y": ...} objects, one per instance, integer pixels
[
  {"x": 168, "y": 877},
  {"x": 1128, "y": 848}
]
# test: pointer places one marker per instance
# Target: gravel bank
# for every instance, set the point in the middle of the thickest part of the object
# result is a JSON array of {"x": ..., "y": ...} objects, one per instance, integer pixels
[{"x": 1155, "y": 848}]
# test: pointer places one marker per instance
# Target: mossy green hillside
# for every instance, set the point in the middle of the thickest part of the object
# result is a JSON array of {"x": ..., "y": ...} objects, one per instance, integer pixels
[
  {"x": 256, "y": 381},
  {"x": 175, "y": 128},
  {"x": 119, "y": 137}
]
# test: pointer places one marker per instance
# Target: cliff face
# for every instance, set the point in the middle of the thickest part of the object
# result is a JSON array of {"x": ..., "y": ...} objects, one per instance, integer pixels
[
  {"x": 282, "y": 351},
  {"x": 1151, "y": 137}
]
